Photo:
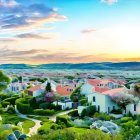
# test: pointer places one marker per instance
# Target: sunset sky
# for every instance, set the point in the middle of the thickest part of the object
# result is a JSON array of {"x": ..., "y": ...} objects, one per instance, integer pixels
[{"x": 69, "y": 31}]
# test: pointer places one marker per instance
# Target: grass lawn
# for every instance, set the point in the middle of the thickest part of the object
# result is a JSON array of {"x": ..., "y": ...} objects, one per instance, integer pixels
[
  {"x": 26, "y": 125},
  {"x": 11, "y": 118}
]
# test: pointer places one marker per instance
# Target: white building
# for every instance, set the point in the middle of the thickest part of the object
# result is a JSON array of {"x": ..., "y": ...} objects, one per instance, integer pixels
[
  {"x": 87, "y": 89},
  {"x": 133, "y": 108},
  {"x": 35, "y": 91},
  {"x": 64, "y": 104},
  {"x": 102, "y": 102}
]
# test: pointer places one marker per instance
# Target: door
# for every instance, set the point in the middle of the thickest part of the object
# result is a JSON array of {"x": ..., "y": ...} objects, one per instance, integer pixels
[{"x": 108, "y": 109}]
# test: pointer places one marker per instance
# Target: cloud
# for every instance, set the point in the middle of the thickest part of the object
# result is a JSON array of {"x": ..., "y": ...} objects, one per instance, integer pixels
[
  {"x": 109, "y": 1},
  {"x": 6, "y": 40},
  {"x": 87, "y": 31},
  {"x": 31, "y": 35},
  {"x": 36, "y": 56},
  {"x": 14, "y": 15},
  {"x": 11, "y": 53}
]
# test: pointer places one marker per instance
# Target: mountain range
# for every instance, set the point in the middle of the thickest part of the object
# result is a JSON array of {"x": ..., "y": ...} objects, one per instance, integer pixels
[{"x": 90, "y": 66}]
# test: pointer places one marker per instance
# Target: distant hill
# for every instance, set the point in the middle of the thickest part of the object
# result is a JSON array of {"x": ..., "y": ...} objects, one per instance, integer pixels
[{"x": 91, "y": 66}]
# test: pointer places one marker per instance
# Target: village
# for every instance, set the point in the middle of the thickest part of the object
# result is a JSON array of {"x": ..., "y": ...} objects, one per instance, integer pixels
[{"x": 71, "y": 99}]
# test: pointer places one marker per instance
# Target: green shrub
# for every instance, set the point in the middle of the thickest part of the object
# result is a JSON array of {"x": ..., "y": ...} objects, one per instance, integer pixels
[
  {"x": 83, "y": 113},
  {"x": 129, "y": 114},
  {"x": 23, "y": 106},
  {"x": 116, "y": 111},
  {"x": 56, "y": 127},
  {"x": 90, "y": 110},
  {"x": 11, "y": 100},
  {"x": 63, "y": 119},
  {"x": 126, "y": 119},
  {"x": 73, "y": 113},
  {"x": 11, "y": 110},
  {"x": 5, "y": 104},
  {"x": 103, "y": 116},
  {"x": 83, "y": 102},
  {"x": 82, "y": 126},
  {"x": 16, "y": 128},
  {"x": 46, "y": 112},
  {"x": 1, "y": 111}
]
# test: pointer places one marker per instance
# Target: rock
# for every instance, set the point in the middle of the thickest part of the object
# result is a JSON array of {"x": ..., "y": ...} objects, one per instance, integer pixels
[
  {"x": 11, "y": 137},
  {"x": 111, "y": 124},
  {"x": 104, "y": 129},
  {"x": 22, "y": 136},
  {"x": 17, "y": 133},
  {"x": 6, "y": 127}
]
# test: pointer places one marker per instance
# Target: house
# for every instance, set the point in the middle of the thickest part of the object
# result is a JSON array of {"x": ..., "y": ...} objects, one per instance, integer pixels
[
  {"x": 64, "y": 91},
  {"x": 102, "y": 102},
  {"x": 35, "y": 91},
  {"x": 65, "y": 104},
  {"x": 133, "y": 108},
  {"x": 16, "y": 87},
  {"x": 92, "y": 85}
]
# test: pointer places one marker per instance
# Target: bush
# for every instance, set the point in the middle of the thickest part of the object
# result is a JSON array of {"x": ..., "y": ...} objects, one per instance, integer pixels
[
  {"x": 5, "y": 104},
  {"x": 11, "y": 110},
  {"x": 43, "y": 112},
  {"x": 49, "y": 106},
  {"x": 23, "y": 106},
  {"x": 90, "y": 110},
  {"x": 16, "y": 128},
  {"x": 116, "y": 111},
  {"x": 83, "y": 113},
  {"x": 82, "y": 126},
  {"x": 1, "y": 111},
  {"x": 11, "y": 100},
  {"x": 73, "y": 113},
  {"x": 83, "y": 102},
  {"x": 56, "y": 126},
  {"x": 63, "y": 119},
  {"x": 126, "y": 119},
  {"x": 103, "y": 116}
]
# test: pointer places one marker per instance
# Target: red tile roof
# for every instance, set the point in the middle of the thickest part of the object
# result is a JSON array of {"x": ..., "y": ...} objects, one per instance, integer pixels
[
  {"x": 63, "y": 90},
  {"x": 94, "y": 81},
  {"x": 101, "y": 89},
  {"x": 35, "y": 88},
  {"x": 113, "y": 91}
]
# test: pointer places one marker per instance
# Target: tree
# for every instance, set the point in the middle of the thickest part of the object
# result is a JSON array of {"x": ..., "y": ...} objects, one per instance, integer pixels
[
  {"x": 4, "y": 81},
  {"x": 58, "y": 98},
  {"x": 76, "y": 93},
  {"x": 48, "y": 87},
  {"x": 124, "y": 99}
]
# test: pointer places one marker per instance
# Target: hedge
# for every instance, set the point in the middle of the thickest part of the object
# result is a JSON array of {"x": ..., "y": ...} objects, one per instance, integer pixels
[
  {"x": 64, "y": 119},
  {"x": 5, "y": 104},
  {"x": 83, "y": 102},
  {"x": 73, "y": 113},
  {"x": 23, "y": 108},
  {"x": 126, "y": 119},
  {"x": 46, "y": 112},
  {"x": 11, "y": 100},
  {"x": 11, "y": 110}
]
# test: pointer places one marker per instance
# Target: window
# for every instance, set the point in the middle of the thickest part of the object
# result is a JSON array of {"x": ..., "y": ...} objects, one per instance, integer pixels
[
  {"x": 113, "y": 107},
  {"x": 98, "y": 108},
  {"x": 94, "y": 99},
  {"x": 67, "y": 89},
  {"x": 108, "y": 109},
  {"x": 135, "y": 107}
]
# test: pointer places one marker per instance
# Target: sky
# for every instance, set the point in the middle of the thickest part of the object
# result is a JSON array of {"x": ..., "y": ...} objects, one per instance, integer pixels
[{"x": 69, "y": 31}]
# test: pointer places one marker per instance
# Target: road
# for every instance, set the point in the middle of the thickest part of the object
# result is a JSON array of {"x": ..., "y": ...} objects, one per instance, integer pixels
[{"x": 33, "y": 130}]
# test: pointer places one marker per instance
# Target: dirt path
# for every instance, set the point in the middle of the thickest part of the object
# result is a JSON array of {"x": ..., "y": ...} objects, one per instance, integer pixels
[{"x": 33, "y": 130}]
